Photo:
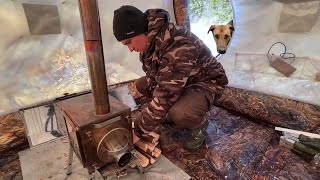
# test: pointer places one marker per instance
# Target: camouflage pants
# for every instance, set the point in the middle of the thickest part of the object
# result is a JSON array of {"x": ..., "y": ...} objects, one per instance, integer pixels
[{"x": 190, "y": 109}]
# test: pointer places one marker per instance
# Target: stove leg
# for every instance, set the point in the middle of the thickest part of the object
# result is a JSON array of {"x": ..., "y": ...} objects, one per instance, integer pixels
[
  {"x": 69, "y": 169},
  {"x": 140, "y": 168},
  {"x": 137, "y": 162}
]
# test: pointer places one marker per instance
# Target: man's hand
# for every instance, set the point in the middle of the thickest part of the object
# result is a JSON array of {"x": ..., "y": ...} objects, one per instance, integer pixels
[
  {"x": 135, "y": 137},
  {"x": 135, "y": 121}
]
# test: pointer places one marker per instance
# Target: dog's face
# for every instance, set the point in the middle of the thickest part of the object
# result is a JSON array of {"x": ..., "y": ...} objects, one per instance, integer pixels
[{"x": 222, "y": 35}]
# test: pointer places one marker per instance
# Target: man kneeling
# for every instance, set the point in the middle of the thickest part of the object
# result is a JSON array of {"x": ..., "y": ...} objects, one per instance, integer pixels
[{"x": 182, "y": 76}]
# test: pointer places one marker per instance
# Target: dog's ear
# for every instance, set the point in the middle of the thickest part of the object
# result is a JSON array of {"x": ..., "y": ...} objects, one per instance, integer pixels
[
  {"x": 231, "y": 27},
  {"x": 211, "y": 28}
]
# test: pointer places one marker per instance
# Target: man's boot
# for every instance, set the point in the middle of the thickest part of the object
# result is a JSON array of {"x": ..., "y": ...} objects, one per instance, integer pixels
[{"x": 196, "y": 137}]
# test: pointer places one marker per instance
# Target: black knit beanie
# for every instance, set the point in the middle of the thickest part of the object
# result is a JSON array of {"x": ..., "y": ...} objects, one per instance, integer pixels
[{"x": 128, "y": 21}]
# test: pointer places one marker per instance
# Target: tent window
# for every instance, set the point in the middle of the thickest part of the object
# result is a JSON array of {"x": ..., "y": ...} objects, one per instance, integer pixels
[
  {"x": 203, "y": 14},
  {"x": 42, "y": 19}
]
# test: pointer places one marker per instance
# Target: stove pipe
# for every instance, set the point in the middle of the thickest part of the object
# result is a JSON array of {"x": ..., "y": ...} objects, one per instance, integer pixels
[{"x": 89, "y": 14}]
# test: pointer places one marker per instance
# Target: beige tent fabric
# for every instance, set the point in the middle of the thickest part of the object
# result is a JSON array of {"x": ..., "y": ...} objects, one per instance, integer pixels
[
  {"x": 298, "y": 17},
  {"x": 306, "y": 67}
]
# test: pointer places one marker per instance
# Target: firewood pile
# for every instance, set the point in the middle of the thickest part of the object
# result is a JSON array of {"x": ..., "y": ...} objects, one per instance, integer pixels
[{"x": 146, "y": 150}]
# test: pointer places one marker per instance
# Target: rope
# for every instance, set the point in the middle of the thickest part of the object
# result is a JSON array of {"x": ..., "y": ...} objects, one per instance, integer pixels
[{"x": 282, "y": 55}]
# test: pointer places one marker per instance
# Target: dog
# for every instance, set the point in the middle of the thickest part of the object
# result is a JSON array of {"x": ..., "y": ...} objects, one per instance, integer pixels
[{"x": 222, "y": 35}]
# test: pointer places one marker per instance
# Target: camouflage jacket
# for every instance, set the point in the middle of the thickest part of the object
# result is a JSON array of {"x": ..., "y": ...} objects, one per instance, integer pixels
[{"x": 175, "y": 59}]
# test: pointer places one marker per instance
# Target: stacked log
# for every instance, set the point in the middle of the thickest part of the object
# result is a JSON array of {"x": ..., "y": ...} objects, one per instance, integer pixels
[{"x": 146, "y": 150}]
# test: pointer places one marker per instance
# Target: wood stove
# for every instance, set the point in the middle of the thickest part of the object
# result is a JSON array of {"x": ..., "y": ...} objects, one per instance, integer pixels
[
  {"x": 98, "y": 140},
  {"x": 99, "y": 126}
]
